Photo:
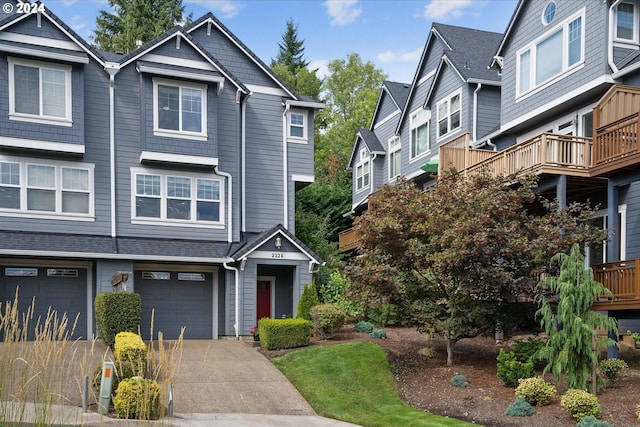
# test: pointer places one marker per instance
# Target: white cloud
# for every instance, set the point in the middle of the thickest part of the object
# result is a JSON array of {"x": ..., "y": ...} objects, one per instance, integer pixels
[
  {"x": 225, "y": 8},
  {"x": 400, "y": 56},
  {"x": 440, "y": 9},
  {"x": 322, "y": 67},
  {"x": 342, "y": 12}
]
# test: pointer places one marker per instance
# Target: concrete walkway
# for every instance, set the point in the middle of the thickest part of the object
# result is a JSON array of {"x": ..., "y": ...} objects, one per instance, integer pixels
[{"x": 218, "y": 383}]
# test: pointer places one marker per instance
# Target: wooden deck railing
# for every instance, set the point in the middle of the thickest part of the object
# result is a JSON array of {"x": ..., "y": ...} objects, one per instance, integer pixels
[
  {"x": 617, "y": 139},
  {"x": 622, "y": 278},
  {"x": 348, "y": 240}
]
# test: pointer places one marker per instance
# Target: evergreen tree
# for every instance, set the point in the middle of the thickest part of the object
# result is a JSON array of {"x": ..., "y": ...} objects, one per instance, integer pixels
[
  {"x": 291, "y": 50},
  {"x": 134, "y": 20}
]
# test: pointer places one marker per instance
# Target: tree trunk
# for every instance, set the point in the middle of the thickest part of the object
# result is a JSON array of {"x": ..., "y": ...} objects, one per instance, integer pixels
[{"x": 450, "y": 344}]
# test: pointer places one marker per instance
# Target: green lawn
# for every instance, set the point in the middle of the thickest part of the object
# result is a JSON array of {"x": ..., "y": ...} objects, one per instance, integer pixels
[{"x": 352, "y": 382}]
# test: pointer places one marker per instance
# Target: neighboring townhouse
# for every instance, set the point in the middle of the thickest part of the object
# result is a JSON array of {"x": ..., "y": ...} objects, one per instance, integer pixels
[
  {"x": 171, "y": 170},
  {"x": 454, "y": 95}
]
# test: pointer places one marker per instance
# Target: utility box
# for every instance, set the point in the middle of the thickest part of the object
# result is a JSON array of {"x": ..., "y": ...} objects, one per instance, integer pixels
[{"x": 108, "y": 371}]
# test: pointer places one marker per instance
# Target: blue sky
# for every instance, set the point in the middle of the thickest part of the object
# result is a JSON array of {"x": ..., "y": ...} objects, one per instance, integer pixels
[{"x": 391, "y": 34}]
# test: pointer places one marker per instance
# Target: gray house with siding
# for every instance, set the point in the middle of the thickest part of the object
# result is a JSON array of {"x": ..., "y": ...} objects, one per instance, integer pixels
[{"x": 177, "y": 164}]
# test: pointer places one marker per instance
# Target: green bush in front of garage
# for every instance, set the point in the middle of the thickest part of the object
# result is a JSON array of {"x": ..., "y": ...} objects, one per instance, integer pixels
[
  {"x": 117, "y": 312},
  {"x": 284, "y": 333}
]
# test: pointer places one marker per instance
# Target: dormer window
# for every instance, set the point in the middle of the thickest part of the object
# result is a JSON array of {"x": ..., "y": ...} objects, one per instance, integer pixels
[
  {"x": 297, "y": 126},
  {"x": 180, "y": 109},
  {"x": 449, "y": 119},
  {"x": 363, "y": 172},
  {"x": 39, "y": 92}
]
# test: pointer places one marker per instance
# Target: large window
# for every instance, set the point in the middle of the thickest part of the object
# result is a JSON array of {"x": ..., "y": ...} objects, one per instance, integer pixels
[
  {"x": 59, "y": 189},
  {"x": 39, "y": 91},
  {"x": 419, "y": 124},
  {"x": 395, "y": 157},
  {"x": 449, "y": 114},
  {"x": 297, "y": 125},
  {"x": 627, "y": 23},
  {"x": 171, "y": 198},
  {"x": 363, "y": 172},
  {"x": 180, "y": 109},
  {"x": 552, "y": 55}
]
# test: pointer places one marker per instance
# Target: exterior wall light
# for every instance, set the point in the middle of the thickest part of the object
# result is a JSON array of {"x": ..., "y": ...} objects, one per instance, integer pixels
[{"x": 278, "y": 243}]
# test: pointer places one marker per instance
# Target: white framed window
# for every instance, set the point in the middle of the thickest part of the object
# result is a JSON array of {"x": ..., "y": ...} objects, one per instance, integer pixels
[
  {"x": 419, "y": 125},
  {"x": 363, "y": 172},
  {"x": 597, "y": 254},
  {"x": 449, "y": 114},
  {"x": 395, "y": 157},
  {"x": 52, "y": 188},
  {"x": 39, "y": 92},
  {"x": 297, "y": 126},
  {"x": 548, "y": 13},
  {"x": 626, "y": 23},
  {"x": 180, "y": 109},
  {"x": 181, "y": 199},
  {"x": 557, "y": 52}
]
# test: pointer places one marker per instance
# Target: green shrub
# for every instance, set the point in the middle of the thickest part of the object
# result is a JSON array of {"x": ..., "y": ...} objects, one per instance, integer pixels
[
  {"x": 363, "y": 326},
  {"x": 580, "y": 404},
  {"x": 590, "y": 421},
  {"x": 137, "y": 398},
  {"x": 129, "y": 347},
  {"x": 123, "y": 371},
  {"x": 610, "y": 370},
  {"x": 377, "y": 334},
  {"x": 459, "y": 381},
  {"x": 284, "y": 333},
  {"x": 327, "y": 319},
  {"x": 382, "y": 315},
  {"x": 308, "y": 299},
  {"x": 536, "y": 391},
  {"x": 117, "y": 312},
  {"x": 510, "y": 370},
  {"x": 334, "y": 291},
  {"x": 526, "y": 350},
  {"x": 520, "y": 408}
]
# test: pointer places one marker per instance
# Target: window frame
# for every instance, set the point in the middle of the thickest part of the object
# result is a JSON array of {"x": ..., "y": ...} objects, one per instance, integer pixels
[
  {"x": 635, "y": 40},
  {"x": 364, "y": 160},
  {"x": 67, "y": 119},
  {"x": 447, "y": 100},
  {"x": 418, "y": 119},
  {"x": 290, "y": 125},
  {"x": 163, "y": 197},
  {"x": 57, "y": 187},
  {"x": 531, "y": 49},
  {"x": 180, "y": 133},
  {"x": 395, "y": 151}
]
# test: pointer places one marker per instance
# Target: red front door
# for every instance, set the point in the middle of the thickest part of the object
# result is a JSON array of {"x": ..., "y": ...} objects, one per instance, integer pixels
[{"x": 263, "y": 306}]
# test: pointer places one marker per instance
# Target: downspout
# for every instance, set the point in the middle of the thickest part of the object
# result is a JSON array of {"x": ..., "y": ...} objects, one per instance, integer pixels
[
  {"x": 243, "y": 162},
  {"x": 475, "y": 112},
  {"x": 285, "y": 169},
  {"x": 373, "y": 159},
  {"x": 492, "y": 145},
  {"x": 236, "y": 324},
  {"x": 112, "y": 69},
  {"x": 229, "y": 204},
  {"x": 612, "y": 64}
]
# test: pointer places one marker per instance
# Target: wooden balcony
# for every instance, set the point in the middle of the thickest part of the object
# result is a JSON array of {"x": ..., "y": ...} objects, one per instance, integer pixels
[
  {"x": 622, "y": 278},
  {"x": 348, "y": 240},
  {"x": 544, "y": 153}
]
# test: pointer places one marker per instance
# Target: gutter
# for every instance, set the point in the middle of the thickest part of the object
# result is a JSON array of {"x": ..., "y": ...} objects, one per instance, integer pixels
[{"x": 112, "y": 69}]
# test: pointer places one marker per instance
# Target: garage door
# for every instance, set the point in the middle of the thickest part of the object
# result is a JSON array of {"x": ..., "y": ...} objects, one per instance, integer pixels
[
  {"x": 179, "y": 299},
  {"x": 61, "y": 289}
]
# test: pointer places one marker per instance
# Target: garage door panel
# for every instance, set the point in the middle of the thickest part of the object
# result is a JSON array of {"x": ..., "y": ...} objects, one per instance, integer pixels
[{"x": 177, "y": 303}]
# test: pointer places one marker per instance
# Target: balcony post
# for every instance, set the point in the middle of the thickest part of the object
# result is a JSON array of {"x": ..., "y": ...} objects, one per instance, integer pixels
[
  {"x": 543, "y": 149},
  {"x": 561, "y": 191}
]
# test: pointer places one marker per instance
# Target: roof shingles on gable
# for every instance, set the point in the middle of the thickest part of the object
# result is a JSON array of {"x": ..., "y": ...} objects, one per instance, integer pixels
[{"x": 398, "y": 91}]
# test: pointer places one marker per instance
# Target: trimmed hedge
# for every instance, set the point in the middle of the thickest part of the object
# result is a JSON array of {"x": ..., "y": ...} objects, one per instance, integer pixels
[
  {"x": 308, "y": 299},
  {"x": 284, "y": 333},
  {"x": 327, "y": 319},
  {"x": 129, "y": 347},
  {"x": 137, "y": 398},
  {"x": 117, "y": 312}
]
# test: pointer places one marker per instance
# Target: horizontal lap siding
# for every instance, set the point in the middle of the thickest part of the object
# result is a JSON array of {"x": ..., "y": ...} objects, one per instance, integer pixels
[{"x": 488, "y": 110}]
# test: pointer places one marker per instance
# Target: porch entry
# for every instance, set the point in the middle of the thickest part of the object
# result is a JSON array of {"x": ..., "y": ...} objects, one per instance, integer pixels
[{"x": 263, "y": 299}]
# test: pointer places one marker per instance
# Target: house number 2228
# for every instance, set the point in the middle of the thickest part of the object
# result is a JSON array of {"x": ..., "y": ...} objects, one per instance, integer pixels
[{"x": 277, "y": 255}]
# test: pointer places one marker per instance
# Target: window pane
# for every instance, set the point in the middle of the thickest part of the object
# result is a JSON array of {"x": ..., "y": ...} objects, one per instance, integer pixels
[
  {"x": 208, "y": 211},
  {"x": 41, "y": 176},
  {"x": 9, "y": 197},
  {"x": 192, "y": 110},
  {"x": 168, "y": 107},
  {"x": 27, "y": 89},
  {"x": 455, "y": 120},
  {"x": 297, "y": 119},
  {"x": 455, "y": 103},
  {"x": 178, "y": 209},
  {"x": 75, "y": 179},
  {"x": 53, "y": 93},
  {"x": 208, "y": 189},
  {"x": 624, "y": 29},
  {"x": 549, "y": 58},
  {"x": 75, "y": 202},
  {"x": 148, "y": 185},
  {"x": 525, "y": 71},
  {"x": 147, "y": 207},
  {"x": 422, "y": 139},
  {"x": 178, "y": 187},
  {"x": 10, "y": 173},
  {"x": 575, "y": 41},
  {"x": 41, "y": 200},
  {"x": 297, "y": 132},
  {"x": 442, "y": 127}
]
